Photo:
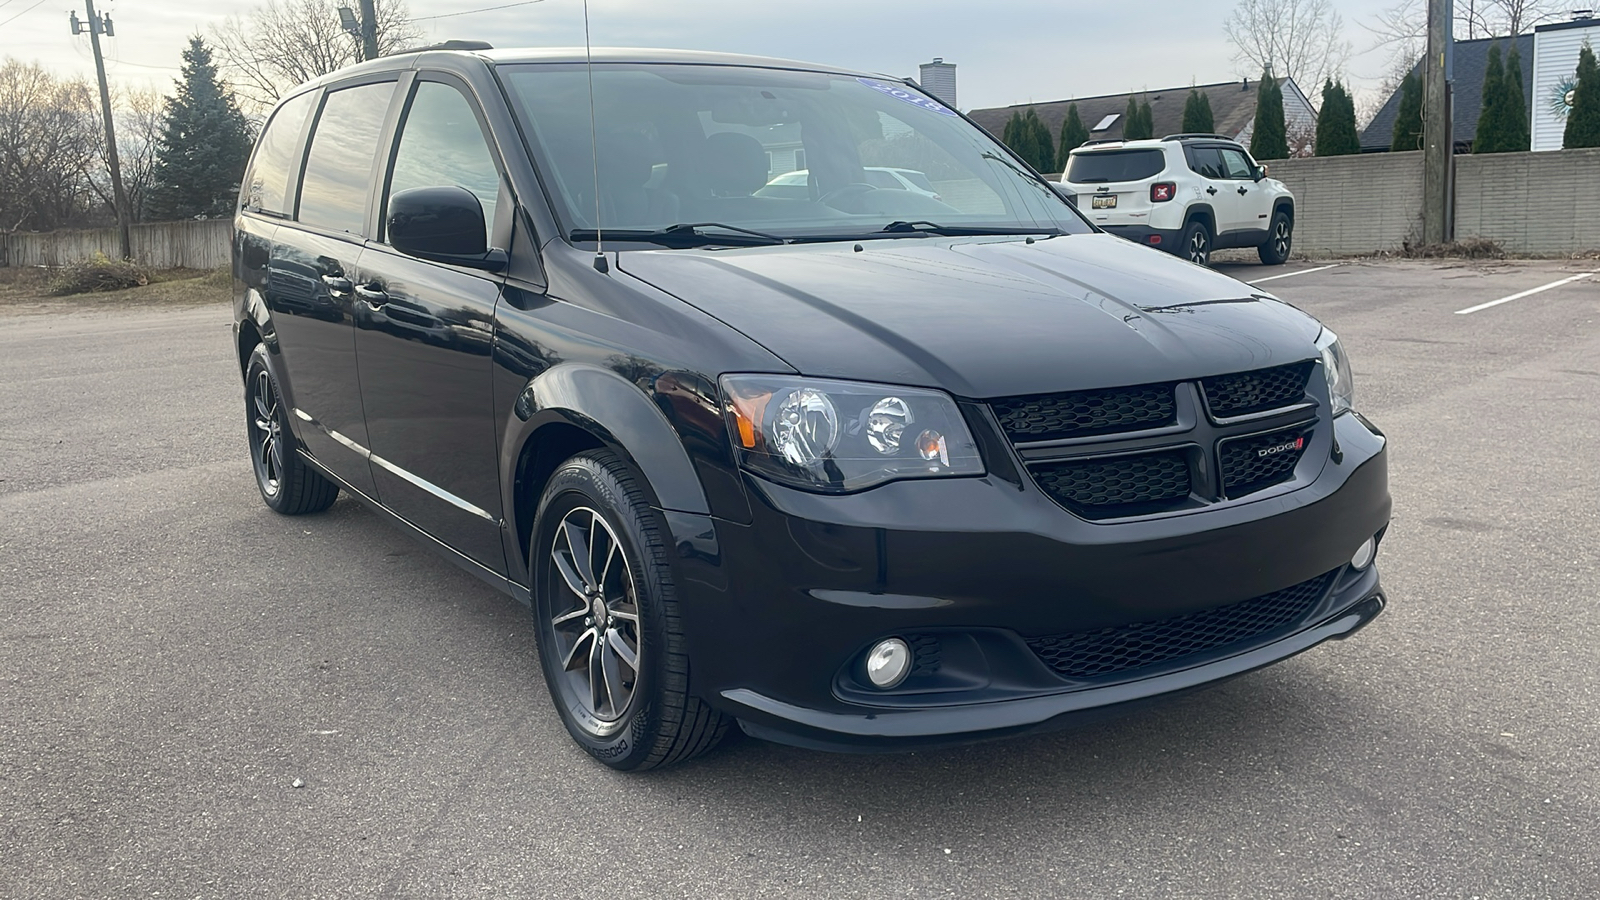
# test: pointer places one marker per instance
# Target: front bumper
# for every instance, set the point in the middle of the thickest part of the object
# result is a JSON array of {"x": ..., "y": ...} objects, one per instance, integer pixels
[{"x": 779, "y": 613}]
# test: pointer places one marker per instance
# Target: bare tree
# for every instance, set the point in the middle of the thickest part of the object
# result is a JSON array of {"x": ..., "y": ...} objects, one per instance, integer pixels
[
  {"x": 48, "y": 143},
  {"x": 1303, "y": 39},
  {"x": 138, "y": 117},
  {"x": 283, "y": 43}
]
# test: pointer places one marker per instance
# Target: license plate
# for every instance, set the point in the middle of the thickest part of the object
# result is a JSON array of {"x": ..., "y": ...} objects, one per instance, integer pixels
[{"x": 1104, "y": 201}]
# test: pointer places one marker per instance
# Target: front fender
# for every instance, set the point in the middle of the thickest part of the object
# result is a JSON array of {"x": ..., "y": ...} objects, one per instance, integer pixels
[{"x": 616, "y": 412}]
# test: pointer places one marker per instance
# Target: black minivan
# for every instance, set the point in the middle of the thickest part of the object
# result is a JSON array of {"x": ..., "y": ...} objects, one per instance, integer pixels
[{"x": 863, "y": 466}]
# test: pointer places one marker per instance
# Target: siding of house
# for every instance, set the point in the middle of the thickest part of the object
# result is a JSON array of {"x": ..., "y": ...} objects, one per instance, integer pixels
[{"x": 1555, "y": 61}]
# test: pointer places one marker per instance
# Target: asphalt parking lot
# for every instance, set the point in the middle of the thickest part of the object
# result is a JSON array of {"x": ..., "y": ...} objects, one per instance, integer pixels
[{"x": 174, "y": 659}]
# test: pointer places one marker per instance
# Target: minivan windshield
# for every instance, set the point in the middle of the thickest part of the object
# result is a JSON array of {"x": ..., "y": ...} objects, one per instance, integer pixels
[{"x": 793, "y": 154}]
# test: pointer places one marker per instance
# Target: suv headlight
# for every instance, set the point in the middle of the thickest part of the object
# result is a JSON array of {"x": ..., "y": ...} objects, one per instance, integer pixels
[
  {"x": 842, "y": 436},
  {"x": 1336, "y": 367}
]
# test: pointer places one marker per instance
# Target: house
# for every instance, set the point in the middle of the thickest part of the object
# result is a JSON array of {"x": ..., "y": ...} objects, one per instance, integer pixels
[
  {"x": 1233, "y": 111},
  {"x": 1471, "y": 59},
  {"x": 1555, "y": 69}
]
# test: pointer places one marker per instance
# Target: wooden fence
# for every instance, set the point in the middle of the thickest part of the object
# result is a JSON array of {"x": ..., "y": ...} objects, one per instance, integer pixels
[{"x": 162, "y": 245}]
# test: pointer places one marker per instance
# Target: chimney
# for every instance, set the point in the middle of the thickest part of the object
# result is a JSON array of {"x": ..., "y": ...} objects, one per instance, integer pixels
[
  {"x": 1245, "y": 85},
  {"x": 939, "y": 79}
]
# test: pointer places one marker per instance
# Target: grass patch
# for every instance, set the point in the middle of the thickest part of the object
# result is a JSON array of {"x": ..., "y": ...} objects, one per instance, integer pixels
[
  {"x": 97, "y": 274},
  {"x": 22, "y": 289}
]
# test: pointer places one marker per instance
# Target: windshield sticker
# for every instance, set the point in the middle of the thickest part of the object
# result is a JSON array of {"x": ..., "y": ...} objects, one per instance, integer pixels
[{"x": 900, "y": 93}]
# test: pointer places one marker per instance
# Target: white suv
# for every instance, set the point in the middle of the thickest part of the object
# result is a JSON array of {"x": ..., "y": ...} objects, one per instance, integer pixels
[{"x": 1186, "y": 193}]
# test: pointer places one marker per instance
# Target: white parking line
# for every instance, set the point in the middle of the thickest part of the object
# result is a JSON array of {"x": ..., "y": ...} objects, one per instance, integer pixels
[
  {"x": 1527, "y": 293},
  {"x": 1293, "y": 274}
]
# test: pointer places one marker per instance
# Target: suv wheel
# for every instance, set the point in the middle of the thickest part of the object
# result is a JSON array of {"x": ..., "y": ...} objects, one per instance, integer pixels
[
  {"x": 610, "y": 639},
  {"x": 1197, "y": 243},
  {"x": 287, "y": 484},
  {"x": 1280, "y": 238}
]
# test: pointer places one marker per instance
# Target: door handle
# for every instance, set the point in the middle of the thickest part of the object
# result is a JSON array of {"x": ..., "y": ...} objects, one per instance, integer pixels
[
  {"x": 1243, "y": 191},
  {"x": 338, "y": 285},
  {"x": 374, "y": 297},
  {"x": 1212, "y": 191}
]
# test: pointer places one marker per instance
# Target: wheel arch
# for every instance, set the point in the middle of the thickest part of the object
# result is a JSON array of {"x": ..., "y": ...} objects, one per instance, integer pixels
[
  {"x": 1204, "y": 213},
  {"x": 572, "y": 408},
  {"x": 1284, "y": 205}
]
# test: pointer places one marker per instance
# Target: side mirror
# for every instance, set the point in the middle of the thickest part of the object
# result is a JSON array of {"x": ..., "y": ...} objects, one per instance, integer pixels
[
  {"x": 441, "y": 224},
  {"x": 1261, "y": 172}
]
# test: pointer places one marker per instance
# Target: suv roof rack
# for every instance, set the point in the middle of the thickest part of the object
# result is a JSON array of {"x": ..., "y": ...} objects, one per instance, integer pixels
[
  {"x": 1104, "y": 141},
  {"x": 1197, "y": 136}
]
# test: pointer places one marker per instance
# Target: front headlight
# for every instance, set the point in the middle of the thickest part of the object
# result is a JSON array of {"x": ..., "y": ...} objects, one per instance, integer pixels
[
  {"x": 841, "y": 436},
  {"x": 1336, "y": 367}
]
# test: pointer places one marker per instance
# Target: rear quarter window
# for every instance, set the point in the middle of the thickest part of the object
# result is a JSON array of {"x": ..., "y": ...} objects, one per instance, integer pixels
[{"x": 1102, "y": 166}]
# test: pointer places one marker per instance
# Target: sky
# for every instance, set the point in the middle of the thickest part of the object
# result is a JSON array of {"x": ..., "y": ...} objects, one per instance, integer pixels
[{"x": 1006, "y": 51}]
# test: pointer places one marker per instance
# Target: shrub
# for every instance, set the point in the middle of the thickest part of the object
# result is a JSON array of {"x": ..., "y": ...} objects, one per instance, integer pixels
[{"x": 98, "y": 273}]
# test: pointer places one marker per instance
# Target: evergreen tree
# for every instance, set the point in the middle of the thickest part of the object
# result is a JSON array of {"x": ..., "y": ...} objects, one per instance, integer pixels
[
  {"x": 1073, "y": 133},
  {"x": 1336, "y": 122},
  {"x": 1147, "y": 121},
  {"x": 1489, "y": 137},
  {"x": 1197, "y": 117},
  {"x": 1269, "y": 139},
  {"x": 1583, "y": 121},
  {"x": 1408, "y": 121},
  {"x": 1009, "y": 135},
  {"x": 204, "y": 144},
  {"x": 1514, "y": 107},
  {"x": 1041, "y": 148},
  {"x": 1130, "y": 119}
]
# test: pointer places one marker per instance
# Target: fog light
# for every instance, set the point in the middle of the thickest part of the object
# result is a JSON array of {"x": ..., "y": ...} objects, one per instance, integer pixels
[
  {"x": 888, "y": 663},
  {"x": 1363, "y": 557}
]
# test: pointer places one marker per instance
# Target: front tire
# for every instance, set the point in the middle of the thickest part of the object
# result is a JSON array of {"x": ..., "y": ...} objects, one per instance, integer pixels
[
  {"x": 287, "y": 484},
  {"x": 1280, "y": 240},
  {"x": 1197, "y": 242},
  {"x": 610, "y": 637}
]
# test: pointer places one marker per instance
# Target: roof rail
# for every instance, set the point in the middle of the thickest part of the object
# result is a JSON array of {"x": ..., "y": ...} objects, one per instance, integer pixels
[
  {"x": 1103, "y": 141},
  {"x": 448, "y": 45},
  {"x": 1197, "y": 136}
]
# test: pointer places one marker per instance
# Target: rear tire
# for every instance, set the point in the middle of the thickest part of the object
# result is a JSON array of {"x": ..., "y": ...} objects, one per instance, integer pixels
[
  {"x": 609, "y": 631},
  {"x": 1280, "y": 240},
  {"x": 287, "y": 484},
  {"x": 1196, "y": 246}
]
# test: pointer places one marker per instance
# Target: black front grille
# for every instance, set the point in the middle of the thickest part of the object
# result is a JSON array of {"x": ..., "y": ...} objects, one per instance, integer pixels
[
  {"x": 1262, "y": 460},
  {"x": 1120, "y": 650},
  {"x": 1117, "y": 486},
  {"x": 1049, "y": 417},
  {"x": 1242, "y": 393}
]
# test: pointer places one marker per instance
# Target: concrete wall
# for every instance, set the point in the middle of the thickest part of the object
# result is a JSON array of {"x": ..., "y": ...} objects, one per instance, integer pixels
[
  {"x": 194, "y": 245},
  {"x": 1531, "y": 202},
  {"x": 1353, "y": 204}
]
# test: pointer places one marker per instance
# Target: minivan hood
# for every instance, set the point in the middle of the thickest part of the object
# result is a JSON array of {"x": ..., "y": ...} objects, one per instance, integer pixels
[{"x": 985, "y": 317}]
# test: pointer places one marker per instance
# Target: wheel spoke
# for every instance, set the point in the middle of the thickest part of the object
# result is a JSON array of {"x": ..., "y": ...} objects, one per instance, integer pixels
[
  {"x": 574, "y": 657},
  {"x": 598, "y": 690},
  {"x": 619, "y": 646},
  {"x": 573, "y": 580},
  {"x": 616, "y": 691},
  {"x": 605, "y": 568},
  {"x": 626, "y": 615},
  {"x": 578, "y": 544},
  {"x": 564, "y": 618}
]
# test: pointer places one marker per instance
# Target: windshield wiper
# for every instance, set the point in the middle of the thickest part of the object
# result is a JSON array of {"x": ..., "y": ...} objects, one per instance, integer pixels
[
  {"x": 923, "y": 227},
  {"x": 685, "y": 234}
]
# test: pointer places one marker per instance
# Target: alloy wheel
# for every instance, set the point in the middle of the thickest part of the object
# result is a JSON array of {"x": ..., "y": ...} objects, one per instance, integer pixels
[
  {"x": 268, "y": 434},
  {"x": 1199, "y": 247},
  {"x": 1280, "y": 239},
  {"x": 597, "y": 631}
]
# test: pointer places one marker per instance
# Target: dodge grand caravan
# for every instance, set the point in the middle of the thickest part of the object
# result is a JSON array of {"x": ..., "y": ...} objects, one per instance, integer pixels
[{"x": 859, "y": 468}]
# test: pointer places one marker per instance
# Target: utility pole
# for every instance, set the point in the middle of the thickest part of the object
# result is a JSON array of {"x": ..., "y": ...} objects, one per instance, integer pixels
[
  {"x": 1438, "y": 139},
  {"x": 369, "y": 30},
  {"x": 119, "y": 196}
]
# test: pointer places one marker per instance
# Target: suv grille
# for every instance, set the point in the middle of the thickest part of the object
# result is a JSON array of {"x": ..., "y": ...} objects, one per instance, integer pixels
[
  {"x": 1263, "y": 460},
  {"x": 1125, "y": 648},
  {"x": 1120, "y": 486},
  {"x": 1243, "y": 393},
  {"x": 1049, "y": 417}
]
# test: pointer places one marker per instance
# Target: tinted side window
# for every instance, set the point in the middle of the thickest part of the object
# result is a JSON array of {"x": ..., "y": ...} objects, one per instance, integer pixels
[
  {"x": 278, "y": 153},
  {"x": 1206, "y": 161},
  {"x": 333, "y": 191},
  {"x": 441, "y": 144},
  {"x": 1238, "y": 165}
]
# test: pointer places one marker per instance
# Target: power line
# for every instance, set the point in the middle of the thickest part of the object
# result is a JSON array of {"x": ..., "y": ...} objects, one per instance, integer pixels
[
  {"x": 468, "y": 12},
  {"x": 36, "y": 6}
]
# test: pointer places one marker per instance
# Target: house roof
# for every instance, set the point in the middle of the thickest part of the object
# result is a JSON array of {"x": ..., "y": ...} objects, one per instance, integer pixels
[
  {"x": 1471, "y": 60},
  {"x": 1233, "y": 109}
]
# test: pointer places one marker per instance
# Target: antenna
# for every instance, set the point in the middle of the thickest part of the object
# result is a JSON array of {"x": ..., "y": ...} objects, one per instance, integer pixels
[{"x": 600, "y": 263}]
